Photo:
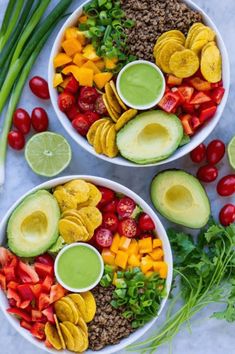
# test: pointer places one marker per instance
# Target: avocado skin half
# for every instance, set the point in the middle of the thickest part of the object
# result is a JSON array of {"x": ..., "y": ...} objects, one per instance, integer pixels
[{"x": 186, "y": 223}]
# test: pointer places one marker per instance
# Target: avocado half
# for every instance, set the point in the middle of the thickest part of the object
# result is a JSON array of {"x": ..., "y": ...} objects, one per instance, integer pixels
[
  {"x": 150, "y": 137},
  {"x": 181, "y": 198},
  {"x": 33, "y": 226}
]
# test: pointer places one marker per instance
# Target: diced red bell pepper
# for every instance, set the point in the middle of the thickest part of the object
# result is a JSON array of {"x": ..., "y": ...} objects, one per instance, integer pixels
[
  {"x": 12, "y": 302},
  {"x": 36, "y": 289},
  {"x": 217, "y": 84},
  {"x": 169, "y": 102},
  {"x": 26, "y": 325},
  {"x": 176, "y": 91},
  {"x": 27, "y": 272},
  {"x": 188, "y": 108},
  {"x": 24, "y": 304},
  {"x": 25, "y": 292},
  {"x": 45, "y": 259},
  {"x": 36, "y": 315},
  {"x": 43, "y": 301},
  {"x": 48, "y": 344},
  {"x": 5, "y": 257},
  {"x": 47, "y": 284},
  {"x": 167, "y": 89},
  {"x": 72, "y": 85},
  {"x": 12, "y": 285},
  {"x": 57, "y": 292},
  {"x": 44, "y": 269},
  {"x": 186, "y": 92},
  {"x": 10, "y": 274},
  {"x": 38, "y": 331},
  {"x": 217, "y": 94},
  {"x": 199, "y": 98},
  {"x": 200, "y": 85},
  {"x": 195, "y": 123},
  {"x": 173, "y": 80},
  {"x": 185, "y": 120},
  {"x": 12, "y": 294},
  {"x": 207, "y": 113},
  {"x": 19, "y": 313},
  {"x": 49, "y": 313},
  {"x": 3, "y": 282}
]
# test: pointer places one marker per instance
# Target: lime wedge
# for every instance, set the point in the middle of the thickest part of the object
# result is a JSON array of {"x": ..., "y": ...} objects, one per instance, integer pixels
[
  {"x": 231, "y": 152},
  {"x": 48, "y": 154}
]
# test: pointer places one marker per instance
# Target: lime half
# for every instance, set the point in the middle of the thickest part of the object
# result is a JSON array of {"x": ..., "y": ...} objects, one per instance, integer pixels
[
  {"x": 231, "y": 152},
  {"x": 48, "y": 154}
]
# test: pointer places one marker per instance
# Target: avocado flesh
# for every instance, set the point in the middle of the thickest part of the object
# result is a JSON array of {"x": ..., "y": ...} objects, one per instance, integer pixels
[
  {"x": 150, "y": 137},
  {"x": 181, "y": 198},
  {"x": 33, "y": 226}
]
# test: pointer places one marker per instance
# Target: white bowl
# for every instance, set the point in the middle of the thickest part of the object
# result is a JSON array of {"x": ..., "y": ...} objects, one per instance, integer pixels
[
  {"x": 197, "y": 139},
  {"x": 161, "y": 234}
]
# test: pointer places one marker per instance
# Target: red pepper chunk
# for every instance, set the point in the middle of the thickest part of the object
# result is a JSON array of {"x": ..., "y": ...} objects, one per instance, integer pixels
[
  {"x": 200, "y": 98},
  {"x": 169, "y": 102},
  {"x": 200, "y": 85},
  {"x": 217, "y": 94},
  {"x": 19, "y": 313},
  {"x": 207, "y": 113},
  {"x": 185, "y": 120}
]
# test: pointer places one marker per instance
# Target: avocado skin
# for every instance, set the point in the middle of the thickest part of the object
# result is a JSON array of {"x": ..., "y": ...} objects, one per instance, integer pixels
[{"x": 155, "y": 203}]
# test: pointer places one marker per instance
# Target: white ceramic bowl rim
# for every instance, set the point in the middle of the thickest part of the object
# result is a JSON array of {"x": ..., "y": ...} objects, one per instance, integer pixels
[
  {"x": 157, "y": 99},
  {"x": 180, "y": 152},
  {"x": 58, "y": 277}
]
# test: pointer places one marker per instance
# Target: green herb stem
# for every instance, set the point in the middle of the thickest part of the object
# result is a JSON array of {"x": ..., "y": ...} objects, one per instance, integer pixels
[{"x": 7, "y": 17}]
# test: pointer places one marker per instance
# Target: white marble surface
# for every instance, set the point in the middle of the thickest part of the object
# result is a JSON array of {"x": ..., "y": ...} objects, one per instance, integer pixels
[{"x": 208, "y": 336}]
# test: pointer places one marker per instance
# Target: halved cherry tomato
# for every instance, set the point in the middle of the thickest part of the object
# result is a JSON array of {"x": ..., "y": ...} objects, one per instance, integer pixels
[
  {"x": 21, "y": 121},
  {"x": 111, "y": 207},
  {"x": 199, "y": 84},
  {"x": 187, "y": 92},
  {"x": 199, "y": 98},
  {"x": 72, "y": 85},
  {"x": 125, "y": 207},
  {"x": 81, "y": 124},
  {"x": 198, "y": 154},
  {"x": 103, "y": 237},
  {"x": 169, "y": 101},
  {"x": 39, "y": 87},
  {"x": 107, "y": 196},
  {"x": 217, "y": 94},
  {"x": 110, "y": 221},
  {"x": 100, "y": 106},
  {"x": 45, "y": 259},
  {"x": 16, "y": 140},
  {"x": 207, "y": 173},
  {"x": 227, "y": 214},
  {"x": 88, "y": 94},
  {"x": 215, "y": 151},
  {"x": 65, "y": 101},
  {"x": 226, "y": 186},
  {"x": 72, "y": 112},
  {"x": 40, "y": 119},
  {"x": 127, "y": 227},
  {"x": 146, "y": 223},
  {"x": 92, "y": 117},
  {"x": 85, "y": 107}
]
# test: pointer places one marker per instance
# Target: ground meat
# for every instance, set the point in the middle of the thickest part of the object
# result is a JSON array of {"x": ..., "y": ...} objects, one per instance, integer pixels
[
  {"x": 152, "y": 18},
  {"x": 108, "y": 325}
]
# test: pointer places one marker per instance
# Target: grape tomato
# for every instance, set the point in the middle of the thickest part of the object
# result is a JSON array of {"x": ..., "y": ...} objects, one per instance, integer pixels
[
  {"x": 84, "y": 106},
  {"x": 81, "y": 124},
  {"x": 110, "y": 221},
  {"x": 146, "y": 223},
  {"x": 107, "y": 196},
  {"x": 39, "y": 119},
  {"x": 127, "y": 227},
  {"x": 22, "y": 121},
  {"x": 16, "y": 140},
  {"x": 215, "y": 151},
  {"x": 39, "y": 87},
  {"x": 226, "y": 186},
  {"x": 88, "y": 94},
  {"x": 227, "y": 214},
  {"x": 207, "y": 173},
  {"x": 198, "y": 154},
  {"x": 103, "y": 237},
  {"x": 66, "y": 101}
]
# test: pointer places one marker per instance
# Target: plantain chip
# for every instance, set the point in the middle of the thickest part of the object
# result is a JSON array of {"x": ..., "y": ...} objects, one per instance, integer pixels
[
  {"x": 78, "y": 189},
  {"x": 82, "y": 324},
  {"x": 172, "y": 34},
  {"x": 91, "y": 132},
  {"x": 68, "y": 338},
  {"x": 59, "y": 332},
  {"x": 159, "y": 46},
  {"x": 165, "y": 54},
  {"x": 73, "y": 307},
  {"x": 111, "y": 145},
  {"x": 104, "y": 132},
  {"x": 85, "y": 338},
  {"x": 211, "y": 64},
  {"x": 90, "y": 306},
  {"x": 80, "y": 303},
  {"x": 72, "y": 232},
  {"x": 113, "y": 114},
  {"x": 97, "y": 140},
  {"x": 94, "y": 196},
  {"x": 192, "y": 31},
  {"x": 65, "y": 200},
  {"x": 93, "y": 215},
  {"x": 77, "y": 336},
  {"x": 74, "y": 219},
  {"x": 112, "y": 100},
  {"x": 122, "y": 104},
  {"x": 52, "y": 336},
  {"x": 184, "y": 63},
  {"x": 69, "y": 212},
  {"x": 63, "y": 311},
  {"x": 198, "y": 45},
  {"x": 125, "y": 118},
  {"x": 209, "y": 44}
]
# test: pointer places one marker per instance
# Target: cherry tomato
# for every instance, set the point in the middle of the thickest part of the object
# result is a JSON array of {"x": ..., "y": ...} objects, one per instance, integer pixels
[
  {"x": 88, "y": 94},
  {"x": 226, "y": 186},
  {"x": 72, "y": 112},
  {"x": 100, "y": 106},
  {"x": 107, "y": 196},
  {"x": 72, "y": 85},
  {"x": 215, "y": 151},
  {"x": 125, "y": 207},
  {"x": 127, "y": 227},
  {"x": 110, "y": 221},
  {"x": 111, "y": 207},
  {"x": 146, "y": 223},
  {"x": 16, "y": 140},
  {"x": 81, "y": 124},
  {"x": 85, "y": 107},
  {"x": 21, "y": 121},
  {"x": 198, "y": 154},
  {"x": 45, "y": 259},
  {"x": 227, "y": 214},
  {"x": 207, "y": 173},
  {"x": 92, "y": 117},
  {"x": 39, "y": 87},
  {"x": 103, "y": 237},
  {"x": 40, "y": 120},
  {"x": 66, "y": 101}
]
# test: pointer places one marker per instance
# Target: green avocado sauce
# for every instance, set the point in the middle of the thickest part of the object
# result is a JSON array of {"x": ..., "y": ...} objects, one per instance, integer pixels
[
  {"x": 79, "y": 267},
  {"x": 140, "y": 84}
]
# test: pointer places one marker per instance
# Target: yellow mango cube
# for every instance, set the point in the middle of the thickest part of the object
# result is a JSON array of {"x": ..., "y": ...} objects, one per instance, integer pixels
[
  {"x": 121, "y": 259},
  {"x": 71, "y": 46},
  {"x": 115, "y": 244},
  {"x": 100, "y": 64},
  {"x": 85, "y": 77},
  {"x": 61, "y": 59},
  {"x": 57, "y": 80},
  {"x": 157, "y": 243},
  {"x": 133, "y": 247},
  {"x": 91, "y": 65},
  {"x": 71, "y": 32},
  {"x": 89, "y": 52},
  {"x": 145, "y": 245},
  {"x": 79, "y": 59},
  {"x": 102, "y": 79},
  {"x": 157, "y": 254},
  {"x": 146, "y": 264},
  {"x": 124, "y": 243},
  {"x": 134, "y": 260},
  {"x": 110, "y": 63}
]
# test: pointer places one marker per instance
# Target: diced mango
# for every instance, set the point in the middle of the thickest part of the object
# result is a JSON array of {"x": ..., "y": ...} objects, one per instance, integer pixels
[
  {"x": 161, "y": 268},
  {"x": 121, "y": 259},
  {"x": 124, "y": 243},
  {"x": 133, "y": 247},
  {"x": 102, "y": 79},
  {"x": 79, "y": 59},
  {"x": 89, "y": 52},
  {"x": 108, "y": 256},
  {"x": 83, "y": 19},
  {"x": 110, "y": 63},
  {"x": 100, "y": 64},
  {"x": 115, "y": 244},
  {"x": 61, "y": 59},
  {"x": 157, "y": 243},
  {"x": 71, "y": 32},
  {"x": 145, "y": 245},
  {"x": 146, "y": 264},
  {"x": 91, "y": 65},
  {"x": 85, "y": 77},
  {"x": 134, "y": 260},
  {"x": 81, "y": 37},
  {"x": 58, "y": 79},
  {"x": 71, "y": 46},
  {"x": 114, "y": 278},
  {"x": 149, "y": 273},
  {"x": 65, "y": 82},
  {"x": 157, "y": 254},
  {"x": 74, "y": 69}
]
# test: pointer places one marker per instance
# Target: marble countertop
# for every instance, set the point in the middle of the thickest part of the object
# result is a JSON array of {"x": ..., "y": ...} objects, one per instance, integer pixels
[{"x": 209, "y": 336}]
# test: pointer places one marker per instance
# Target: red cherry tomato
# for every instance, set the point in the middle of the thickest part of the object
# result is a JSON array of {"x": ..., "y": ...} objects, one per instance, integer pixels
[
  {"x": 40, "y": 120},
  {"x": 88, "y": 94},
  {"x": 100, "y": 106},
  {"x": 146, "y": 223},
  {"x": 81, "y": 124},
  {"x": 226, "y": 186},
  {"x": 107, "y": 196},
  {"x": 66, "y": 101},
  {"x": 103, "y": 237},
  {"x": 39, "y": 87},
  {"x": 215, "y": 151},
  {"x": 227, "y": 214},
  {"x": 111, "y": 207},
  {"x": 125, "y": 207},
  {"x": 92, "y": 117},
  {"x": 207, "y": 173},
  {"x": 127, "y": 227},
  {"x": 198, "y": 154},
  {"x": 21, "y": 121},
  {"x": 85, "y": 107},
  {"x": 72, "y": 112},
  {"x": 16, "y": 140},
  {"x": 110, "y": 221},
  {"x": 72, "y": 85}
]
